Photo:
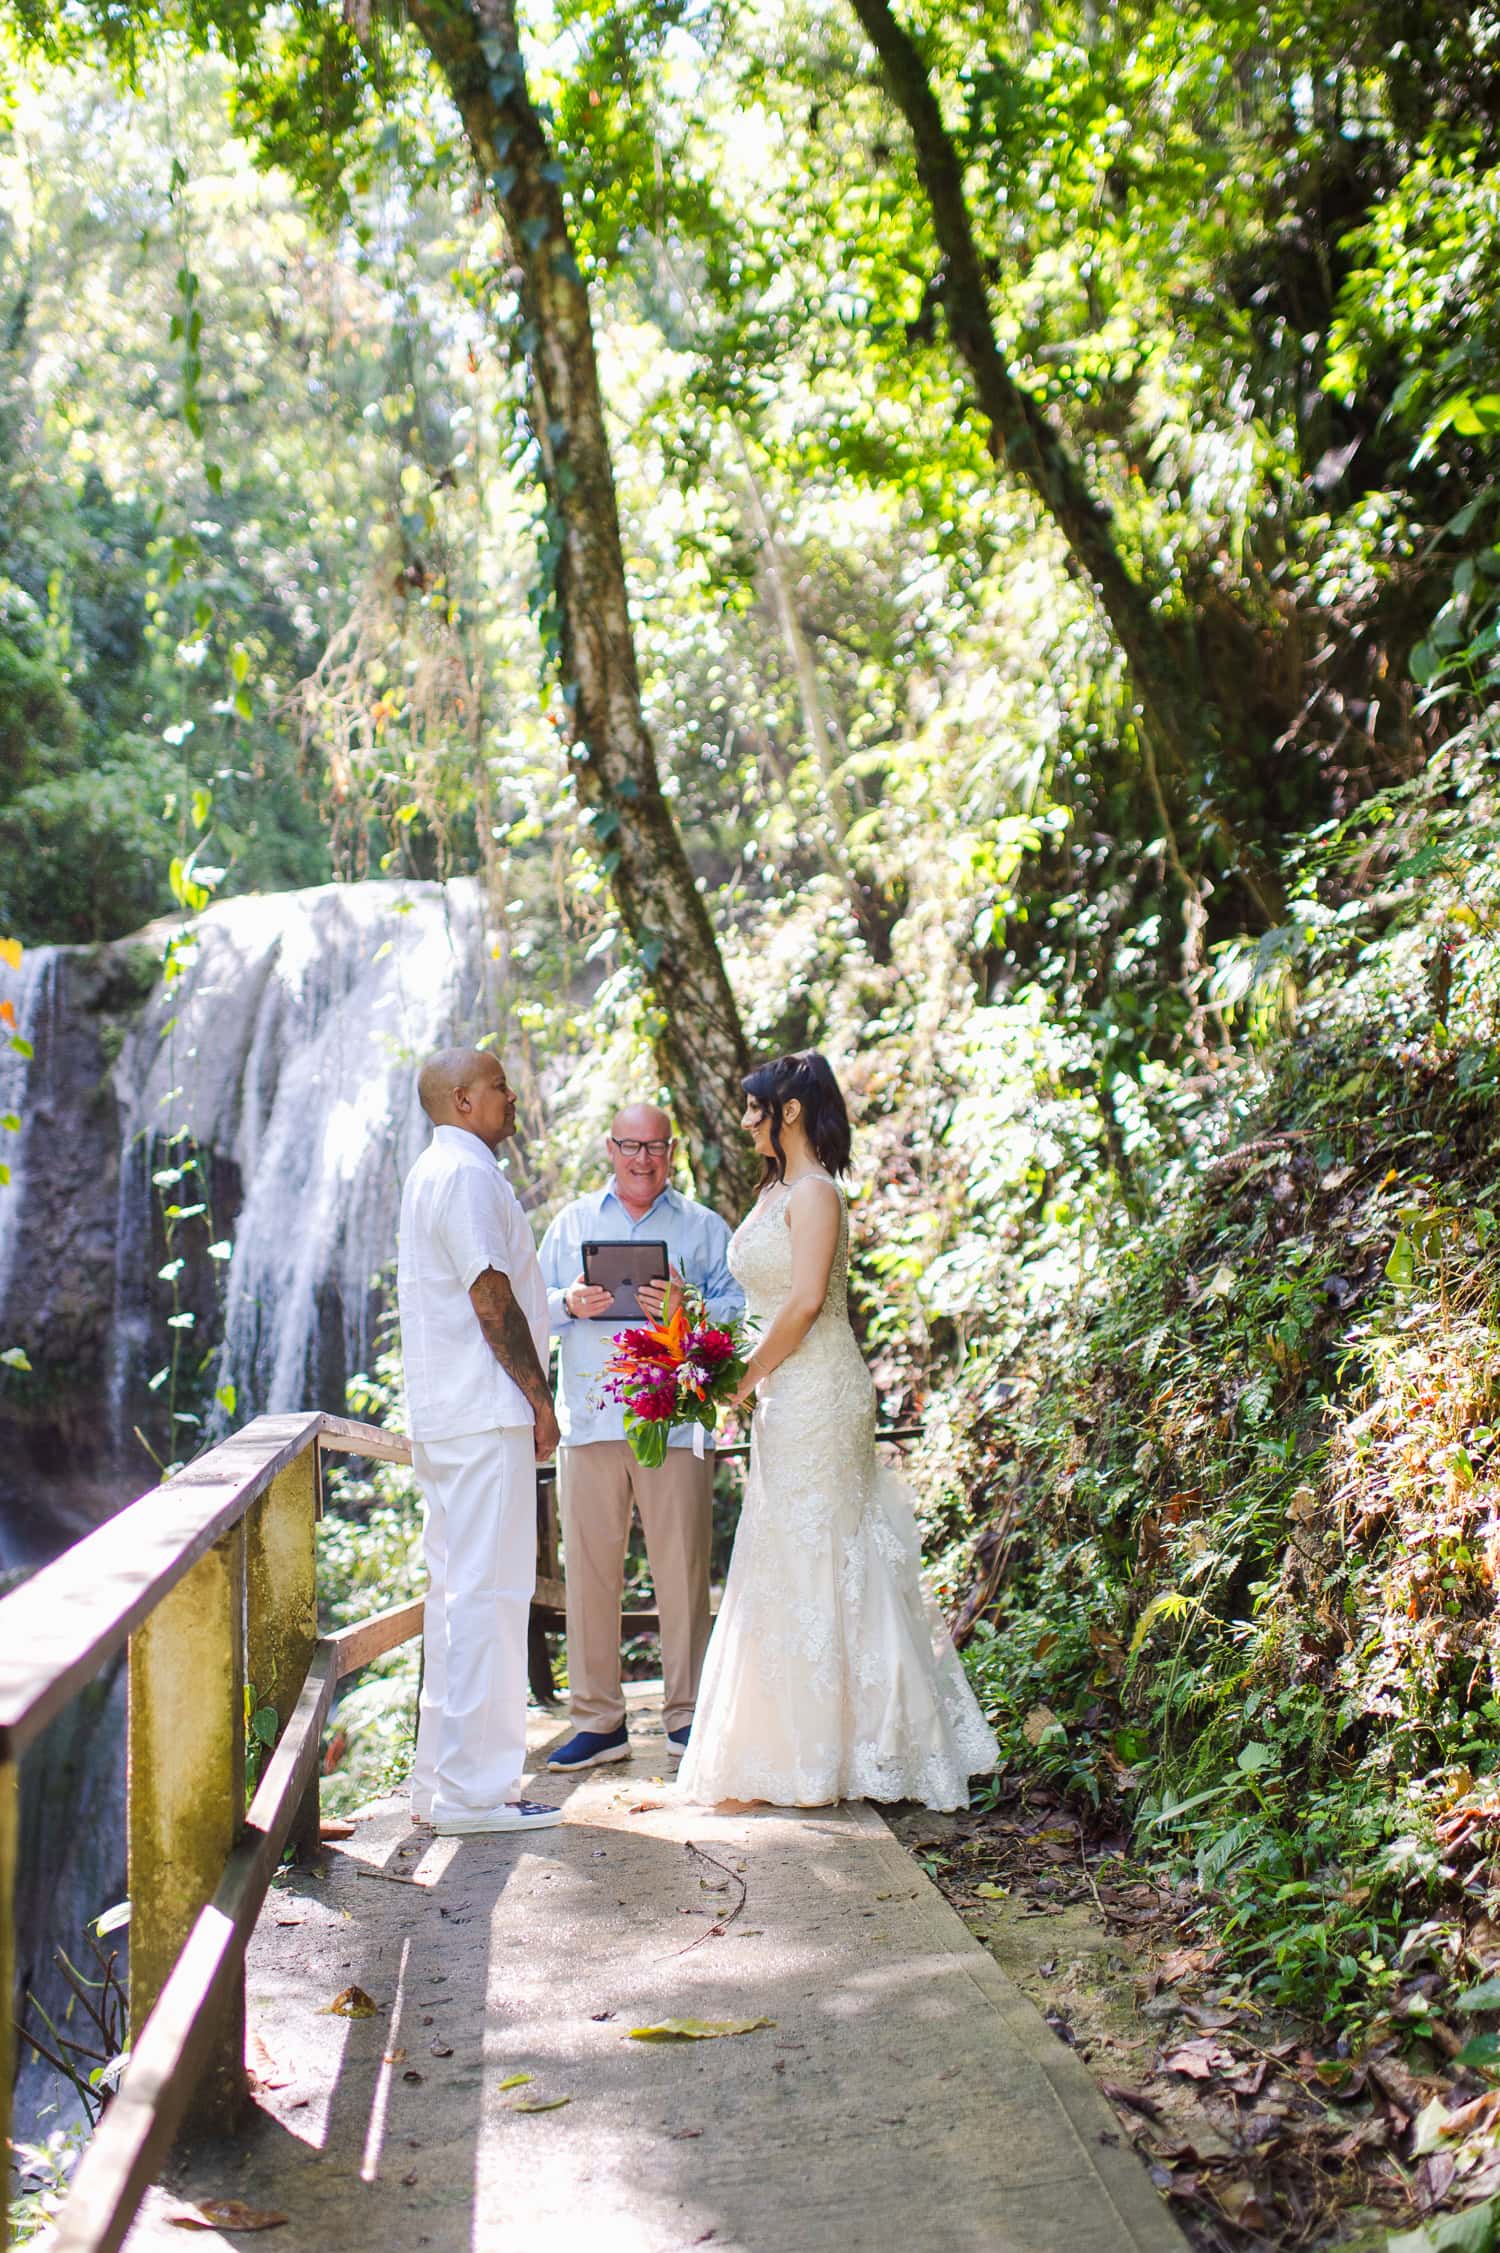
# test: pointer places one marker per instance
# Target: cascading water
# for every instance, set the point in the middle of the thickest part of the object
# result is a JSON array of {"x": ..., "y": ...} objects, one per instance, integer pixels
[{"x": 286, "y": 1046}]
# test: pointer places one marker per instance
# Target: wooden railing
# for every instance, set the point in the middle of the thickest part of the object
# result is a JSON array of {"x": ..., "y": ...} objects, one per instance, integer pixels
[{"x": 211, "y": 1581}]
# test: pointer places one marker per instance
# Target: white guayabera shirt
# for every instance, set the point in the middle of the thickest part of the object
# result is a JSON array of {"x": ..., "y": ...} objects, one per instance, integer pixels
[{"x": 459, "y": 1215}]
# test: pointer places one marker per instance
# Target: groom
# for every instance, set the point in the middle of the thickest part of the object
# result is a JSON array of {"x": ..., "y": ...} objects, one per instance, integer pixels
[
  {"x": 474, "y": 1339},
  {"x": 599, "y": 1480}
]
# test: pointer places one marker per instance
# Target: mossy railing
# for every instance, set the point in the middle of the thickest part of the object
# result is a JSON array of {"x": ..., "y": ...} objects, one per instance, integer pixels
[{"x": 211, "y": 1580}]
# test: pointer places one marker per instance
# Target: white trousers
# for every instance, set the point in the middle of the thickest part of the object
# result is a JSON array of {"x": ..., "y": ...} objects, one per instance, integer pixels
[{"x": 479, "y": 1537}]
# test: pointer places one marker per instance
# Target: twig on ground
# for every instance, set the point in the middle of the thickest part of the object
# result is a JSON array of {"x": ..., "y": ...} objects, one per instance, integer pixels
[
  {"x": 1088, "y": 1873},
  {"x": 717, "y": 1930}
]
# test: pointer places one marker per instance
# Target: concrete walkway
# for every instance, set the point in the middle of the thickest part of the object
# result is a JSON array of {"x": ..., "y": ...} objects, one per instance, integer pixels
[{"x": 904, "y": 2096}]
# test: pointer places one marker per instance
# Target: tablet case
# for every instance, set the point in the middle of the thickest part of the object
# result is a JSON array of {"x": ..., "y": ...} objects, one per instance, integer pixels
[{"x": 620, "y": 1267}]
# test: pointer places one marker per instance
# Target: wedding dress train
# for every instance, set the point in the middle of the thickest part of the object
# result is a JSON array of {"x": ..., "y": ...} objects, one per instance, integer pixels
[{"x": 829, "y": 1675}]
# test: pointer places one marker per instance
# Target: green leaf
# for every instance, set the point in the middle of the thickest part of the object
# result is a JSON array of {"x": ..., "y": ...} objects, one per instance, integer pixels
[
  {"x": 14, "y": 1358},
  {"x": 697, "y": 2029},
  {"x": 1483, "y": 2050},
  {"x": 1472, "y": 2231},
  {"x": 226, "y": 1396},
  {"x": 21, "y": 1045},
  {"x": 264, "y": 1723},
  {"x": 1486, "y": 1996}
]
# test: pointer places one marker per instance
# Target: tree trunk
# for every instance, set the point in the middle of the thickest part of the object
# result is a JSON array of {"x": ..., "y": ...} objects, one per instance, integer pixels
[
  {"x": 870, "y": 908},
  {"x": 695, "y": 1027},
  {"x": 1162, "y": 662}
]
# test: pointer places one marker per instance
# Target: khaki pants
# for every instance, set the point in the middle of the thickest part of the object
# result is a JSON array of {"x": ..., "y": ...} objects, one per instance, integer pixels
[{"x": 596, "y": 1487}]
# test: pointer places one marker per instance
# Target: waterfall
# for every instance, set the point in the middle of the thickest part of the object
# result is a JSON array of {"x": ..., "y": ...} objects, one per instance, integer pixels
[{"x": 285, "y": 1048}]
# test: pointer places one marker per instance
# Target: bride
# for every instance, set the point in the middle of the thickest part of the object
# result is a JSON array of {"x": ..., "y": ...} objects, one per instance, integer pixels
[{"x": 828, "y": 1676}]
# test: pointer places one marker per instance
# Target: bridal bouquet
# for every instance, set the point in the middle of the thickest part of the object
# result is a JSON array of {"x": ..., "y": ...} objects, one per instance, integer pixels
[{"x": 680, "y": 1371}]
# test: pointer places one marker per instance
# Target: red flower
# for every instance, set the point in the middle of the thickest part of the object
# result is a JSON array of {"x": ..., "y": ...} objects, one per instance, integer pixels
[
  {"x": 714, "y": 1347},
  {"x": 643, "y": 1345},
  {"x": 655, "y": 1404}
]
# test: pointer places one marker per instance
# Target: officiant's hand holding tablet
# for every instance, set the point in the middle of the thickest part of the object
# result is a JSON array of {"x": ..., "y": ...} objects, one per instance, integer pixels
[{"x": 621, "y": 1269}]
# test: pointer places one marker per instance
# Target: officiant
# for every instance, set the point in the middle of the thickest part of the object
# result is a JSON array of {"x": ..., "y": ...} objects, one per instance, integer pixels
[{"x": 599, "y": 1482}]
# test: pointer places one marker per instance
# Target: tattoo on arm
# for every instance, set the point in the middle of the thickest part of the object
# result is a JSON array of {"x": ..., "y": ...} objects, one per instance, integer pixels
[{"x": 507, "y": 1333}]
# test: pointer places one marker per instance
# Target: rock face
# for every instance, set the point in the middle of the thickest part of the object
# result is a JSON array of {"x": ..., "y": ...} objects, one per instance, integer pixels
[{"x": 62, "y": 1467}]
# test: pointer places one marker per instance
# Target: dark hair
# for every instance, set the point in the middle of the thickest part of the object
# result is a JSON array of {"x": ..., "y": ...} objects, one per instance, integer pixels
[{"x": 805, "y": 1078}]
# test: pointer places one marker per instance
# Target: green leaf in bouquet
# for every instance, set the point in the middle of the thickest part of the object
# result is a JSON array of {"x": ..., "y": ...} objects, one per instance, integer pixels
[{"x": 648, "y": 1439}]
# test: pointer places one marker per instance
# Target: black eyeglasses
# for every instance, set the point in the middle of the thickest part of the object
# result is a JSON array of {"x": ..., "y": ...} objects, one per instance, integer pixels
[{"x": 629, "y": 1148}]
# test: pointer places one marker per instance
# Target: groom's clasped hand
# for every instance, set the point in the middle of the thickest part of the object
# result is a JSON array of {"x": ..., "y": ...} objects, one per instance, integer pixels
[{"x": 823, "y": 1591}]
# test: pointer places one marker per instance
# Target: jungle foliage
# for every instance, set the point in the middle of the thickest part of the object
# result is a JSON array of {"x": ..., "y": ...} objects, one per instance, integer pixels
[{"x": 1055, "y": 455}]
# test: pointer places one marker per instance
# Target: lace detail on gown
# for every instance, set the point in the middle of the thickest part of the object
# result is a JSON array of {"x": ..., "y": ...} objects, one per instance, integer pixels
[{"x": 829, "y": 1675}]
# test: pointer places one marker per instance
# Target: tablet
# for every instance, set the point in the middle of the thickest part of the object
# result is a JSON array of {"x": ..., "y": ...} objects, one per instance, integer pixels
[{"x": 622, "y": 1268}]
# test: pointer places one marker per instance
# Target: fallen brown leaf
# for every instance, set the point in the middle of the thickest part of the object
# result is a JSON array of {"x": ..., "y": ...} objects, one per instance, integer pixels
[
  {"x": 1119, "y": 2092},
  {"x": 352, "y": 2003},
  {"x": 1241, "y": 2202},
  {"x": 441, "y": 2049},
  {"x": 227, "y": 2214},
  {"x": 1185, "y": 1963},
  {"x": 264, "y": 2071},
  {"x": 1199, "y": 2059},
  {"x": 331, "y": 1827},
  {"x": 1478, "y": 2114}
]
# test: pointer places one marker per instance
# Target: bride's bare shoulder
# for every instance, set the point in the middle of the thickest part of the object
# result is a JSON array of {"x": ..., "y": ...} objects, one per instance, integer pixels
[{"x": 812, "y": 1191}]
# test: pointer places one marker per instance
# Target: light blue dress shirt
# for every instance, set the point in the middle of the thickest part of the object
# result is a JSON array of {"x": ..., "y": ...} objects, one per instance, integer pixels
[{"x": 696, "y": 1240}]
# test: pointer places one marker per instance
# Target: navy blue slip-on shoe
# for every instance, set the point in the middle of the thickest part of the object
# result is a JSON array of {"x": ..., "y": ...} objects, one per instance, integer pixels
[
  {"x": 678, "y": 1739},
  {"x": 591, "y": 1747}
]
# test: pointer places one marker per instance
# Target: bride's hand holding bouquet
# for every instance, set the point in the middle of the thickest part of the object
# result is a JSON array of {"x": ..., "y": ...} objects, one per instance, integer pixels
[{"x": 679, "y": 1371}]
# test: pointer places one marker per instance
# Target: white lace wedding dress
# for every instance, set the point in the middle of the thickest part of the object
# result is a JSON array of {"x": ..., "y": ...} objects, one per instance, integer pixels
[{"x": 829, "y": 1675}]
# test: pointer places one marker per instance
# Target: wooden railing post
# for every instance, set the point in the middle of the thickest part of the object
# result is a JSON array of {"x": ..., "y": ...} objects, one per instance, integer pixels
[
  {"x": 9, "y": 1825},
  {"x": 187, "y": 1796},
  {"x": 282, "y": 1606}
]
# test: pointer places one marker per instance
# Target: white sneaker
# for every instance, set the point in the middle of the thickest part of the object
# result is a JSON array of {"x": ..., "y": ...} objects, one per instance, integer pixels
[{"x": 514, "y": 1815}]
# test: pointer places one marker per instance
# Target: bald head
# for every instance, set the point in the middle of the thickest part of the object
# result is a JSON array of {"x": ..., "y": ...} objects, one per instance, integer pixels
[
  {"x": 467, "y": 1087},
  {"x": 642, "y": 1122}
]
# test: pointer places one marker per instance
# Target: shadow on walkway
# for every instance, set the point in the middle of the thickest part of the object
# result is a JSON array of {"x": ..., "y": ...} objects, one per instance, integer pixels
[{"x": 905, "y": 2095}]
